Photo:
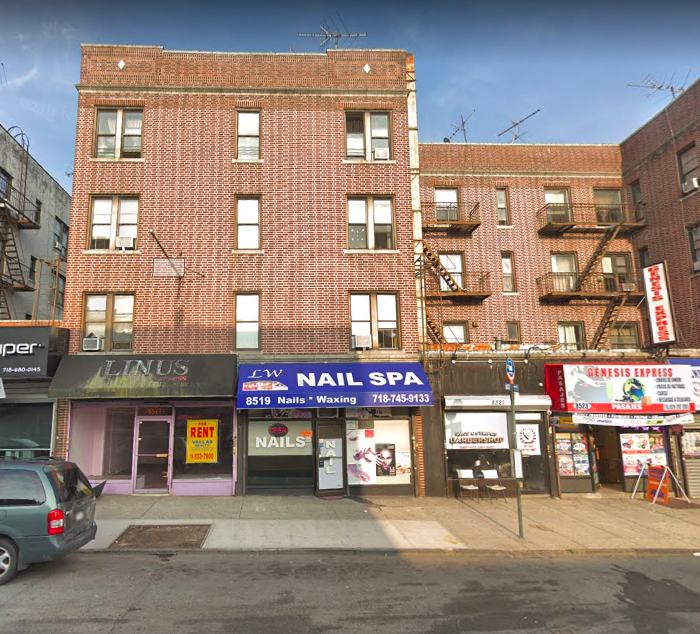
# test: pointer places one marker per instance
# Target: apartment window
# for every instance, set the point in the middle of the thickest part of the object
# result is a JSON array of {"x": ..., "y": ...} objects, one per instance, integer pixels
[
  {"x": 5, "y": 184},
  {"x": 114, "y": 222},
  {"x": 374, "y": 319},
  {"x": 109, "y": 322},
  {"x": 446, "y": 204},
  {"x": 39, "y": 206},
  {"x": 454, "y": 264},
  {"x": 61, "y": 292},
  {"x": 557, "y": 203},
  {"x": 502, "y": 206},
  {"x": 644, "y": 260},
  {"x": 248, "y": 223},
  {"x": 617, "y": 272},
  {"x": 513, "y": 332},
  {"x": 455, "y": 332},
  {"x": 694, "y": 234},
  {"x": 32, "y": 269},
  {"x": 636, "y": 189},
  {"x": 247, "y": 321},
  {"x": 367, "y": 136},
  {"x": 118, "y": 133},
  {"x": 625, "y": 336},
  {"x": 508, "y": 269},
  {"x": 564, "y": 271},
  {"x": 688, "y": 164},
  {"x": 370, "y": 223},
  {"x": 608, "y": 205},
  {"x": 248, "y": 136},
  {"x": 60, "y": 238},
  {"x": 571, "y": 336}
]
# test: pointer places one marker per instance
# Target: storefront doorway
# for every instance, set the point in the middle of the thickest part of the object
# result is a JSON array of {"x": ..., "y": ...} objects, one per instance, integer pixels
[
  {"x": 152, "y": 456},
  {"x": 331, "y": 457}
]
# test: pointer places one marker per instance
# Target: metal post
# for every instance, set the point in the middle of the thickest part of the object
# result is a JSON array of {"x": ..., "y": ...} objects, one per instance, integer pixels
[{"x": 513, "y": 445}]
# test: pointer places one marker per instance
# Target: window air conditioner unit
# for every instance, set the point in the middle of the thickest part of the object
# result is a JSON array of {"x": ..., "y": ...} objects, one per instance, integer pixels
[
  {"x": 327, "y": 412},
  {"x": 696, "y": 266},
  {"x": 381, "y": 154},
  {"x": 125, "y": 243},
  {"x": 686, "y": 187},
  {"x": 57, "y": 245},
  {"x": 93, "y": 343},
  {"x": 361, "y": 341},
  {"x": 628, "y": 286},
  {"x": 695, "y": 182}
]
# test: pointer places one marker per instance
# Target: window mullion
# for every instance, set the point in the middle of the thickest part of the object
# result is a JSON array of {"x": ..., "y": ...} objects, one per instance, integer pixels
[
  {"x": 109, "y": 321},
  {"x": 118, "y": 133},
  {"x": 373, "y": 316},
  {"x": 368, "y": 136},
  {"x": 370, "y": 222},
  {"x": 113, "y": 223}
]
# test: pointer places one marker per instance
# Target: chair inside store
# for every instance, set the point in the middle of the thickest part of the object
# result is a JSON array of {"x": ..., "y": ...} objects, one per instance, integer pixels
[
  {"x": 492, "y": 483},
  {"x": 467, "y": 483}
]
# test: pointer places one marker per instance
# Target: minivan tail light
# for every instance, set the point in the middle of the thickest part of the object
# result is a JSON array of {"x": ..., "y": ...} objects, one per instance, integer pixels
[{"x": 56, "y": 522}]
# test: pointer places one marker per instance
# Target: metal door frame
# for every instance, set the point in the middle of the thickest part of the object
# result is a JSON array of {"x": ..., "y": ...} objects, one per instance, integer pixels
[{"x": 135, "y": 455}]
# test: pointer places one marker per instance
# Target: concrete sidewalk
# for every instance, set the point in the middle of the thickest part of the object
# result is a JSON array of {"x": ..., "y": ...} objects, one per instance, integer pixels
[{"x": 578, "y": 523}]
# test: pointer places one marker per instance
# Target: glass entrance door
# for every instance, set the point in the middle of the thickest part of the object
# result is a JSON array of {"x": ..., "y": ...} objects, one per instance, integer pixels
[{"x": 152, "y": 455}]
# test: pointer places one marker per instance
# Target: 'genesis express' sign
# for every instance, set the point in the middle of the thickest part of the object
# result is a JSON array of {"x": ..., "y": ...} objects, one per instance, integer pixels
[{"x": 306, "y": 385}]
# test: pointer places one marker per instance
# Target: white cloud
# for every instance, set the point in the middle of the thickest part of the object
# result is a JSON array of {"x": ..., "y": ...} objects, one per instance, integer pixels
[{"x": 22, "y": 80}]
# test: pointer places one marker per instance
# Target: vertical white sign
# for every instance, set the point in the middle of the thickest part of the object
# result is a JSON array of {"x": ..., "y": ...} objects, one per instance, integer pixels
[
  {"x": 663, "y": 330},
  {"x": 2, "y": 390}
]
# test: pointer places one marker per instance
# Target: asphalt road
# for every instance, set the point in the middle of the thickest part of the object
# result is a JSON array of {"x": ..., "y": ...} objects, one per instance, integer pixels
[{"x": 309, "y": 593}]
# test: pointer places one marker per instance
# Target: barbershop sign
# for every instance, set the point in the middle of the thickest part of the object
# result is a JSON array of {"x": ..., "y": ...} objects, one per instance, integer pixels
[
  {"x": 309, "y": 385},
  {"x": 24, "y": 352}
]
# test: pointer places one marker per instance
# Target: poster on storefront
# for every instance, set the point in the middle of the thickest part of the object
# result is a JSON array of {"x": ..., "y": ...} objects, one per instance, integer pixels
[
  {"x": 607, "y": 388},
  {"x": 386, "y": 459},
  {"x": 528, "y": 437},
  {"x": 657, "y": 486},
  {"x": 362, "y": 453},
  {"x": 566, "y": 465},
  {"x": 202, "y": 441},
  {"x": 476, "y": 430},
  {"x": 582, "y": 465}
]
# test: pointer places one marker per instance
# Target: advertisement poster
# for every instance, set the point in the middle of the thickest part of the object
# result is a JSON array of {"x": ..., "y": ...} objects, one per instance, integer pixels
[
  {"x": 202, "y": 441},
  {"x": 386, "y": 460},
  {"x": 657, "y": 482},
  {"x": 403, "y": 463},
  {"x": 487, "y": 430},
  {"x": 582, "y": 466},
  {"x": 362, "y": 466},
  {"x": 641, "y": 449},
  {"x": 563, "y": 443},
  {"x": 607, "y": 388},
  {"x": 566, "y": 465},
  {"x": 528, "y": 436},
  {"x": 579, "y": 443}
]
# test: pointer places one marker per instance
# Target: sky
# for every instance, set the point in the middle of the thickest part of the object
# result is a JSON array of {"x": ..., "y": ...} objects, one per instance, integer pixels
[{"x": 499, "y": 60}]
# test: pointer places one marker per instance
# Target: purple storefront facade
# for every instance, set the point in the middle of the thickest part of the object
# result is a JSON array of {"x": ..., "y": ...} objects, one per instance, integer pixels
[{"x": 152, "y": 423}]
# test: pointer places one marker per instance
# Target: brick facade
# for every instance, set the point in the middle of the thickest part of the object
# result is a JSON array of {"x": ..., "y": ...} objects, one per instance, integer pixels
[
  {"x": 526, "y": 171},
  {"x": 650, "y": 156}
]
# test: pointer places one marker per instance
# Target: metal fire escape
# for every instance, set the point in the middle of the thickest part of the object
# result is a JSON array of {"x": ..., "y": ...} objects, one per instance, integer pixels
[{"x": 16, "y": 213}]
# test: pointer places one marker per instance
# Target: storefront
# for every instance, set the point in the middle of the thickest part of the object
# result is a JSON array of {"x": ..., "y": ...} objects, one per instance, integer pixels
[
  {"x": 29, "y": 356},
  {"x": 689, "y": 438},
  {"x": 476, "y": 437},
  {"x": 152, "y": 423},
  {"x": 331, "y": 428},
  {"x": 612, "y": 420}
]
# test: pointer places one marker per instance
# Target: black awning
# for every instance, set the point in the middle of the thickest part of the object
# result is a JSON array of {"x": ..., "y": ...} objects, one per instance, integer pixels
[{"x": 145, "y": 376}]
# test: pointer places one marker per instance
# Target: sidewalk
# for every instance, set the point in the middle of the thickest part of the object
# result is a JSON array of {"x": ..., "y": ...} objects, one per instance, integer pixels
[{"x": 578, "y": 523}]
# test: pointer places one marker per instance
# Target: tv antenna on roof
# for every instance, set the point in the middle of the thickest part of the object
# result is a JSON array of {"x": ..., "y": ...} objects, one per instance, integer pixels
[
  {"x": 332, "y": 32},
  {"x": 3, "y": 79},
  {"x": 516, "y": 127},
  {"x": 654, "y": 86},
  {"x": 462, "y": 127}
]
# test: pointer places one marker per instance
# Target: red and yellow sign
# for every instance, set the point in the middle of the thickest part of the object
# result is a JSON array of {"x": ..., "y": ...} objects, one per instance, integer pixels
[{"x": 202, "y": 441}]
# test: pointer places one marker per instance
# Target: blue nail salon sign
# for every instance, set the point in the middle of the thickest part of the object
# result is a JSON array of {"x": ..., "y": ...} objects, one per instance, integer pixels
[{"x": 305, "y": 385}]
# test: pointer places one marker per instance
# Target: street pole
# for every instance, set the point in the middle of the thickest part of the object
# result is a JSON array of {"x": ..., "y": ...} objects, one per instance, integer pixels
[
  {"x": 515, "y": 457},
  {"x": 513, "y": 445}
]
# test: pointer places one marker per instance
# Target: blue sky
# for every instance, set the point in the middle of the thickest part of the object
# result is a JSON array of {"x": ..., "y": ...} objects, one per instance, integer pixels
[{"x": 502, "y": 59}]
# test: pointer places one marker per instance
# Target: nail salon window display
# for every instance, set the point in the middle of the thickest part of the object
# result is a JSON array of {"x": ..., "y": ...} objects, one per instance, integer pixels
[{"x": 379, "y": 451}]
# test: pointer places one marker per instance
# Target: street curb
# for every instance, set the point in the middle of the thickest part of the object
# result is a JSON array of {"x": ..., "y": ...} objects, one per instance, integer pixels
[{"x": 540, "y": 553}]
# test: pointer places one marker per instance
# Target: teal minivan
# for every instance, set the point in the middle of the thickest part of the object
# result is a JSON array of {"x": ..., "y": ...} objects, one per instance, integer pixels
[{"x": 47, "y": 510}]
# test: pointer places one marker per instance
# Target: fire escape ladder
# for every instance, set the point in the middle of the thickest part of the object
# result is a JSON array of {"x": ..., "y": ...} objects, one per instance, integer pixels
[
  {"x": 602, "y": 334},
  {"x": 434, "y": 260},
  {"x": 434, "y": 328},
  {"x": 11, "y": 270},
  {"x": 608, "y": 237}
]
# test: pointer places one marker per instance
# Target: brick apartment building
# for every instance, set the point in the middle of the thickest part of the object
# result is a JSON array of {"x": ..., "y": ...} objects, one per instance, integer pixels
[{"x": 240, "y": 208}]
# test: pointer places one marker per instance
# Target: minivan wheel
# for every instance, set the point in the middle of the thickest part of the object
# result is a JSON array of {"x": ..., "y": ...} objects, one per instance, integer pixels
[{"x": 8, "y": 560}]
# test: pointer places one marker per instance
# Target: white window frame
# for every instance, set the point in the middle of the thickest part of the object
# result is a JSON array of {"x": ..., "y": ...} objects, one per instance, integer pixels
[
  {"x": 244, "y": 221},
  {"x": 372, "y": 313},
  {"x": 503, "y": 206},
  {"x": 119, "y": 134},
  {"x": 579, "y": 339},
  {"x": 451, "y": 332},
  {"x": 246, "y": 320},
  {"x": 118, "y": 227},
  {"x": 370, "y": 221},
  {"x": 447, "y": 202},
  {"x": 508, "y": 262},
  {"x": 111, "y": 299},
  {"x": 454, "y": 263},
  {"x": 368, "y": 135},
  {"x": 248, "y": 156}
]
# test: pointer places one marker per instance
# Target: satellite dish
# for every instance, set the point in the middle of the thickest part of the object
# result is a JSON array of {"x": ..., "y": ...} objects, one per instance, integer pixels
[{"x": 446, "y": 140}]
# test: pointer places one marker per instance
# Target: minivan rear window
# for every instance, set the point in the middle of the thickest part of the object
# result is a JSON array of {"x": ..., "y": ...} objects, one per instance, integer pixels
[
  {"x": 70, "y": 484},
  {"x": 21, "y": 487}
]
